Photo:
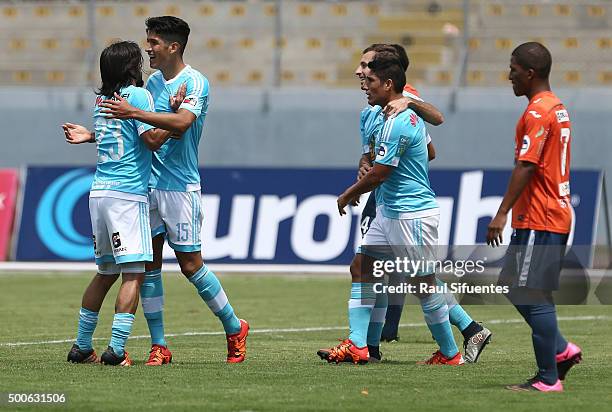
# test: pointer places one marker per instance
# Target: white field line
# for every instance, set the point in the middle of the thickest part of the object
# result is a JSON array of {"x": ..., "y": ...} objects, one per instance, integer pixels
[{"x": 293, "y": 330}]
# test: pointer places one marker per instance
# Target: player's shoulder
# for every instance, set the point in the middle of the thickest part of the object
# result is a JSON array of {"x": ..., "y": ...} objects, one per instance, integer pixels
[
  {"x": 411, "y": 92},
  {"x": 195, "y": 78},
  {"x": 408, "y": 119},
  {"x": 135, "y": 93},
  {"x": 542, "y": 105},
  {"x": 155, "y": 78},
  {"x": 369, "y": 112}
]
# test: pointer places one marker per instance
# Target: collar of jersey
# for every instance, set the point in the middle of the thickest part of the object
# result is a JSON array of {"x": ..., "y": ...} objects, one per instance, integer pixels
[{"x": 172, "y": 80}]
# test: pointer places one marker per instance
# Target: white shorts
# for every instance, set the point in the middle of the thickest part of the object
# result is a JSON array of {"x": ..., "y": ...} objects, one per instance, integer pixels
[
  {"x": 415, "y": 239},
  {"x": 121, "y": 230},
  {"x": 179, "y": 216}
]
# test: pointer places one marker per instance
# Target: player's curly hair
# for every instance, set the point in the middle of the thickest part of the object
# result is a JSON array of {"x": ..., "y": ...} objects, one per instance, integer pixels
[
  {"x": 385, "y": 66},
  {"x": 534, "y": 55},
  {"x": 120, "y": 66},
  {"x": 170, "y": 29}
]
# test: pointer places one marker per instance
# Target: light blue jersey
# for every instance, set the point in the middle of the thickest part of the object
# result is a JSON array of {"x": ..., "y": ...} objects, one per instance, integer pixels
[
  {"x": 124, "y": 161},
  {"x": 175, "y": 164},
  {"x": 402, "y": 144}
]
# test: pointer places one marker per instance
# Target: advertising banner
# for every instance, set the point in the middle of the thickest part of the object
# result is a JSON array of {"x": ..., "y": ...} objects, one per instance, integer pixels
[
  {"x": 9, "y": 182},
  {"x": 282, "y": 216}
]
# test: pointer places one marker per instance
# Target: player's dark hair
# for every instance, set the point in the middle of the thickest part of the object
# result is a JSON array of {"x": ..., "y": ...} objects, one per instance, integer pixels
[
  {"x": 387, "y": 66},
  {"x": 120, "y": 66},
  {"x": 170, "y": 29},
  {"x": 533, "y": 55},
  {"x": 391, "y": 48}
]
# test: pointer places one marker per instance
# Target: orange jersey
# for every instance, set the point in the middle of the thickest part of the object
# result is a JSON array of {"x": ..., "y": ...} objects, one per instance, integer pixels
[
  {"x": 543, "y": 136},
  {"x": 408, "y": 88}
]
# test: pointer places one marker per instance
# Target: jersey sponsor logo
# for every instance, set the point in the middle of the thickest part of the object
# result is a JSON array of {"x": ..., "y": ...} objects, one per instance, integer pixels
[
  {"x": 535, "y": 114},
  {"x": 191, "y": 100},
  {"x": 562, "y": 116},
  {"x": 526, "y": 144},
  {"x": 564, "y": 189},
  {"x": 413, "y": 119}
]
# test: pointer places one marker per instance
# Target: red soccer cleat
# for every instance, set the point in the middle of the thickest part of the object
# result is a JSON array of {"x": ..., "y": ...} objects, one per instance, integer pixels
[
  {"x": 345, "y": 352},
  {"x": 439, "y": 359},
  {"x": 236, "y": 343},
  {"x": 159, "y": 355}
]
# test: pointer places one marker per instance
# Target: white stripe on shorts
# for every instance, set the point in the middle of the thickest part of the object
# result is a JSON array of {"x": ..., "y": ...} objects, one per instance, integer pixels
[{"x": 527, "y": 261}]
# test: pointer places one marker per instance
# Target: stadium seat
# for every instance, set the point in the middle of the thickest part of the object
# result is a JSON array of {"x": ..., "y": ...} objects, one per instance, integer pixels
[
  {"x": 49, "y": 44},
  {"x": 339, "y": 10},
  {"x": 76, "y": 11},
  {"x": 313, "y": 43},
  {"x": 81, "y": 43},
  {"x": 17, "y": 44},
  {"x": 304, "y": 10},
  {"x": 141, "y": 11},
  {"x": 531, "y": 10},
  {"x": 596, "y": 11},
  {"x": 254, "y": 76},
  {"x": 503, "y": 43},
  {"x": 475, "y": 77},
  {"x": 287, "y": 75},
  {"x": 106, "y": 11},
  {"x": 237, "y": 10},
  {"x": 214, "y": 43},
  {"x": 571, "y": 43},
  {"x": 371, "y": 10},
  {"x": 604, "y": 42},
  {"x": 496, "y": 10},
  {"x": 563, "y": 10},
  {"x": 269, "y": 10},
  {"x": 246, "y": 43},
  {"x": 207, "y": 10},
  {"x": 173, "y": 10},
  {"x": 42, "y": 11},
  {"x": 56, "y": 76},
  {"x": 319, "y": 76},
  {"x": 443, "y": 77},
  {"x": 344, "y": 42},
  {"x": 474, "y": 43},
  {"x": 222, "y": 76},
  {"x": 9, "y": 12},
  {"x": 22, "y": 76},
  {"x": 605, "y": 77}
]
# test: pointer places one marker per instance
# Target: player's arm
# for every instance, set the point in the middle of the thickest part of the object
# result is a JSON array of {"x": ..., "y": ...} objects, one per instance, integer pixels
[
  {"x": 426, "y": 111},
  {"x": 119, "y": 108},
  {"x": 521, "y": 175},
  {"x": 374, "y": 178},
  {"x": 431, "y": 151},
  {"x": 155, "y": 138},
  {"x": 77, "y": 134}
]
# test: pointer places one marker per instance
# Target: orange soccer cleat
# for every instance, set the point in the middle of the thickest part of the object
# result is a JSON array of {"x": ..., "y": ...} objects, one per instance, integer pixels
[
  {"x": 236, "y": 343},
  {"x": 346, "y": 351},
  {"x": 439, "y": 359},
  {"x": 159, "y": 355}
]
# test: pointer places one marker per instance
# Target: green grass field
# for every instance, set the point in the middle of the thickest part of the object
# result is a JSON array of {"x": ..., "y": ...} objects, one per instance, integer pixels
[{"x": 282, "y": 371}]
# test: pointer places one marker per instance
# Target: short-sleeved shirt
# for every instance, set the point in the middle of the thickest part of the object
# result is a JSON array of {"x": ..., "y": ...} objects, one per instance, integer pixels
[
  {"x": 175, "y": 164},
  {"x": 543, "y": 137},
  {"x": 124, "y": 161},
  {"x": 406, "y": 193},
  {"x": 370, "y": 122}
]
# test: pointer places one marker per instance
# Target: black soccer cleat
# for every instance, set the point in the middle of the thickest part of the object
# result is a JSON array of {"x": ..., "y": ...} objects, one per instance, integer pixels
[
  {"x": 109, "y": 357},
  {"x": 76, "y": 355}
]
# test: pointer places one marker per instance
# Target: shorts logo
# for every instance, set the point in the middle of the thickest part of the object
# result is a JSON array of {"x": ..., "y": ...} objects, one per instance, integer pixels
[
  {"x": 95, "y": 244},
  {"x": 564, "y": 189},
  {"x": 526, "y": 144},
  {"x": 116, "y": 240},
  {"x": 562, "y": 116}
]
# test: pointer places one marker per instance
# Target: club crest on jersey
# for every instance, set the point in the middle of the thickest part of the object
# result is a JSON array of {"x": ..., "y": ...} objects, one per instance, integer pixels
[
  {"x": 535, "y": 114},
  {"x": 562, "y": 116},
  {"x": 116, "y": 240},
  {"x": 526, "y": 144}
]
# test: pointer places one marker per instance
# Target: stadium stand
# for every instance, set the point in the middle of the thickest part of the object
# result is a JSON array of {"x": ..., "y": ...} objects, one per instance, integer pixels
[{"x": 320, "y": 41}]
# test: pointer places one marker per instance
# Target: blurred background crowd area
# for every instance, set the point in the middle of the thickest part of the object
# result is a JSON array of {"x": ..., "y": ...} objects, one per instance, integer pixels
[{"x": 267, "y": 43}]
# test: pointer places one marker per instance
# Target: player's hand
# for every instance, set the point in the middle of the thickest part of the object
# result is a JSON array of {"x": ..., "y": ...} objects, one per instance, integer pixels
[
  {"x": 76, "y": 134},
  {"x": 118, "y": 108},
  {"x": 496, "y": 227},
  {"x": 342, "y": 202},
  {"x": 395, "y": 107},
  {"x": 177, "y": 99},
  {"x": 364, "y": 168},
  {"x": 354, "y": 201}
]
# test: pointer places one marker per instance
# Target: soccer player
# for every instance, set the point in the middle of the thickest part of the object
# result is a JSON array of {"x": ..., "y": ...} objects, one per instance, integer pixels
[
  {"x": 176, "y": 210},
  {"x": 407, "y": 206},
  {"x": 118, "y": 203},
  {"x": 475, "y": 336},
  {"x": 539, "y": 196}
]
